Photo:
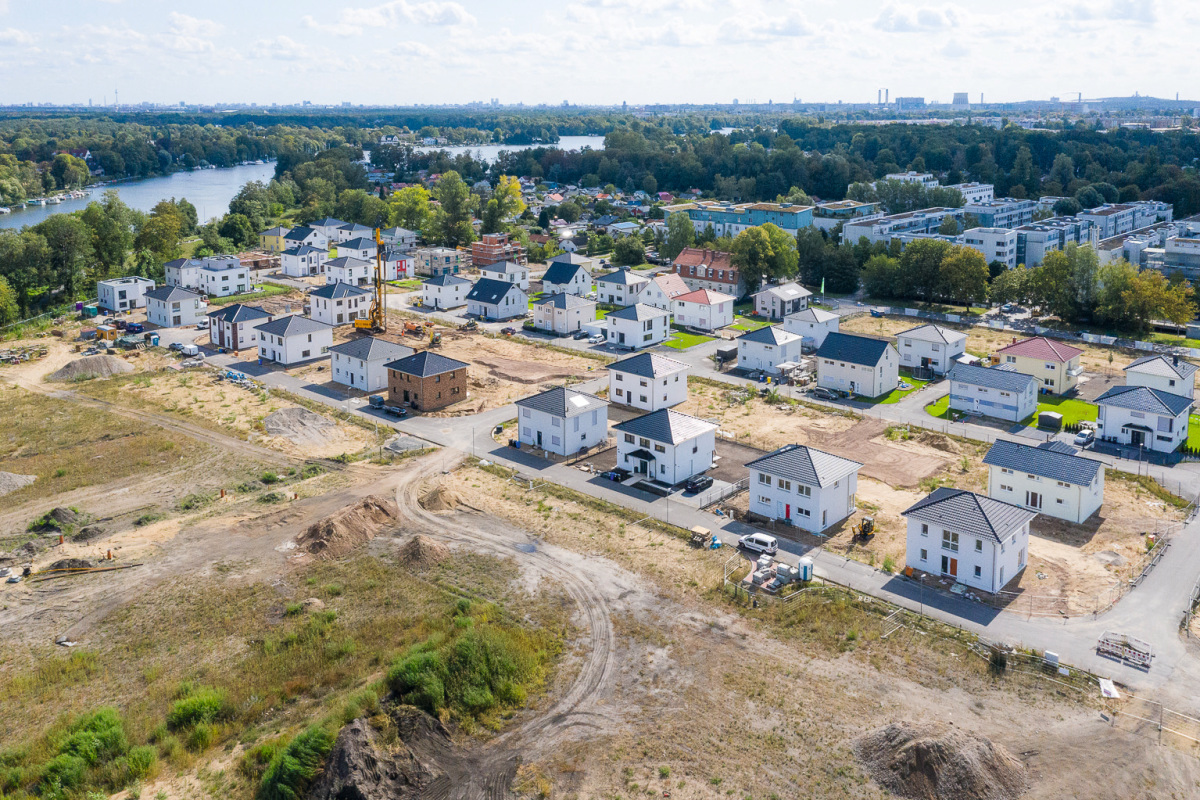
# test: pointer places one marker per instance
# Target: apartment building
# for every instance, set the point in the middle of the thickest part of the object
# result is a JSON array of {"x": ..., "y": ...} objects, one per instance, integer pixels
[
  {"x": 493, "y": 248},
  {"x": 882, "y": 229},
  {"x": 730, "y": 219},
  {"x": 1037, "y": 240}
]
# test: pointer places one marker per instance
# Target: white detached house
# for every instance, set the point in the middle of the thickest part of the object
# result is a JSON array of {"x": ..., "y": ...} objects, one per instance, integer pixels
[
  {"x": 662, "y": 290},
  {"x": 1169, "y": 374},
  {"x": 347, "y": 269},
  {"x": 992, "y": 392},
  {"x": 766, "y": 348},
  {"x": 339, "y": 303},
  {"x": 293, "y": 340},
  {"x": 1137, "y": 416},
  {"x": 562, "y": 421},
  {"x": 232, "y": 327},
  {"x": 563, "y": 314},
  {"x": 303, "y": 261},
  {"x": 930, "y": 346},
  {"x": 860, "y": 365},
  {"x": 173, "y": 307},
  {"x": 507, "y": 272},
  {"x": 666, "y": 446},
  {"x": 564, "y": 278},
  {"x": 777, "y": 302},
  {"x": 445, "y": 291},
  {"x": 977, "y": 541},
  {"x": 360, "y": 363},
  {"x": 812, "y": 324},
  {"x": 492, "y": 299},
  {"x": 620, "y": 288},
  {"x": 637, "y": 326},
  {"x": 803, "y": 486},
  {"x": 648, "y": 381},
  {"x": 1049, "y": 478},
  {"x": 703, "y": 309}
]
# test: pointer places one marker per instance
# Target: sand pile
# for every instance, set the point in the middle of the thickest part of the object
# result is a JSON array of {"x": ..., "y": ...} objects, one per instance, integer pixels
[
  {"x": 441, "y": 499},
  {"x": 938, "y": 441},
  {"x": 70, "y": 563},
  {"x": 421, "y": 552},
  {"x": 937, "y": 762},
  {"x": 355, "y": 525},
  {"x": 299, "y": 426},
  {"x": 11, "y": 481},
  {"x": 90, "y": 367}
]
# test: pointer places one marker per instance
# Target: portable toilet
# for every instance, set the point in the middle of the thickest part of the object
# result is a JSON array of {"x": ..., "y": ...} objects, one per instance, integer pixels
[
  {"x": 805, "y": 565},
  {"x": 91, "y": 311}
]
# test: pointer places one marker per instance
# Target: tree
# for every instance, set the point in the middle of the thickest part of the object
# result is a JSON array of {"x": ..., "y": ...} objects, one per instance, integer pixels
[
  {"x": 505, "y": 203},
  {"x": 765, "y": 253},
  {"x": 948, "y": 226},
  {"x": 681, "y": 233},
  {"x": 409, "y": 208},
  {"x": 921, "y": 267},
  {"x": 628, "y": 251},
  {"x": 650, "y": 184},
  {"x": 1130, "y": 300},
  {"x": 70, "y": 245},
  {"x": 1012, "y": 286},
  {"x": 570, "y": 211},
  {"x": 69, "y": 172},
  {"x": 160, "y": 232},
  {"x": 237, "y": 228},
  {"x": 964, "y": 276},
  {"x": 841, "y": 271},
  {"x": 881, "y": 276},
  {"x": 1088, "y": 197},
  {"x": 24, "y": 262},
  {"x": 9, "y": 309},
  {"x": 1067, "y": 207},
  {"x": 453, "y": 218},
  {"x": 111, "y": 224},
  {"x": 363, "y": 208}
]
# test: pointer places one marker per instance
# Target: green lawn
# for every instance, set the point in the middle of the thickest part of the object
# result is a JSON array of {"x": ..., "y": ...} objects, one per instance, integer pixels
[
  {"x": 682, "y": 340},
  {"x": 601, "y": 313},
  {"x": 264, "y": 290},
  {"x": 895, "y": 395},
  {"x": 939, "y": 408},
  {"x": 1193, "y": 440},
  {"x": 1174, "y": 341},
  {"x": 1073, "y": 411},
  {"x": 408, "y": 285},
  {"x": 747, "y": 324}
]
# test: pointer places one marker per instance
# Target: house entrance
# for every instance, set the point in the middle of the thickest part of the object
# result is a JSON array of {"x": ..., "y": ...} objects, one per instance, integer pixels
[{"x": 950, "y": 566}]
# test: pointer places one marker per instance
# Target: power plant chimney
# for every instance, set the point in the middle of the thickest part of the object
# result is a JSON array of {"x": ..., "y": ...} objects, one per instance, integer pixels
[
  {"x": 885, "y": 97},
  {"x": 879, "y": 97}
]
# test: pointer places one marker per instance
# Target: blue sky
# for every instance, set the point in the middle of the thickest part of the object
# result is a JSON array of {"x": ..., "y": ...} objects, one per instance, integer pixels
[{"x": 591, "y": 51}]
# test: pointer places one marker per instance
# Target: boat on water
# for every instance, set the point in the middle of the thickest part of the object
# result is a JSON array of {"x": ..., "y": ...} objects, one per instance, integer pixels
[
  {"x": 54, "y": 200},
  {"x": 5, "y": 210}
]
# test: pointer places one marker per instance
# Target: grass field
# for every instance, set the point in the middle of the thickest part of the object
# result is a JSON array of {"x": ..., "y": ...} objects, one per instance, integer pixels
[
  {"x": 1175, "y": 341},
  {"x": 1193, "y": 440},
  {"x": 410, "y": 284},
  {"x": 264, "y": 290},
  {"x": 1073, "y": 411},
  {"x": 747, "y": 324},
  {"x": 939, "y": 408},
  {"x": 682, "y": 340},
  {"x": 896, "y": 394}
]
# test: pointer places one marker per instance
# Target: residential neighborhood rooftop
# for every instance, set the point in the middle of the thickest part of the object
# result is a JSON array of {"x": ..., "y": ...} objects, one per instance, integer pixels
[
  {"x": 771, "y": 334},
  {"x": 933, "y": 333},
  {"x": 565, "y": 300},
  {"x": 705, "y": 297},
  {"x": 371, "y": 348},
  {"x": 786, "y": 291},
  {"x": 334, "y": 291},
  {"x": 622, "y": 277},
  {"x": 666, "y": 425},
  {"x": 238, "y": 312},
  {"x": 1044, "y": 462},
  {"x": 1164, "y": 366},
  {"x": 562, "y": 402},
  {"x": 445, "y": 279},
  {"x": 864, "y": 350},
  {"x": 817, "y": 315},
  {"x": 991, "y": 378},
  {"x": 647, "y": 365},
  {"x": 425, "y": 364},
  {"x": 638, "y": 311},
  {"x": 490, "y": 290},
  {"x": 805, "y": 465},
  {"x": 1145, "y": 399},
  {"x": 561, "y": 272},
  {"x": 291, "y": 325},
  {"x": 1042, "y": 348},
  {"x": 967, "y": 512},
  {"x": 170, "y": 294}
]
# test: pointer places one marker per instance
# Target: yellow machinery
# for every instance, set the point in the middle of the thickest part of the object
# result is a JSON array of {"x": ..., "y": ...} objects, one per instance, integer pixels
[
  {"x": 376, "y": 320},
  {"x": 865, "y": 530}
]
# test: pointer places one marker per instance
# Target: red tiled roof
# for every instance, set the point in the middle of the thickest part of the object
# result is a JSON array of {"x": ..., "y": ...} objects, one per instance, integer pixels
[
  {"x": 671, "y": 284},
  {"x": 1043, "y": 348},
  {"x": 696, "y": 257},
  {"x": 704, "y": 297}
]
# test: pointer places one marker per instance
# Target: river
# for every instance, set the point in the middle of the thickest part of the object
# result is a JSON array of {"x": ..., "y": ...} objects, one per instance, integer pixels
[{"x": 210, "y": 190}]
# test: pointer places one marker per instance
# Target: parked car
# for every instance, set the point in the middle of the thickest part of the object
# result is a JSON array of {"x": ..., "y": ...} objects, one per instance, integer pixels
[
  {"x": 580, "y": 334},
  {"x": 822, "y": 393},
  {"x": 1008, "y": 308},
  {"x": 597, "y": 339},
  {"x": 202, "y": 324},
  {"x": 175, "y": 346},
  {"x": 508, "y": 331},
  {"x": 759, "y": 543},
  {"x": 1085, "y": 437},
  {"x": 189, "y": 350},
  {"x": 698, "y": 483}
]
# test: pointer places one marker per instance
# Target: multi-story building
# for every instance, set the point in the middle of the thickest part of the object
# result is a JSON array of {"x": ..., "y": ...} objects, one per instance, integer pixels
[
  {"x": 827, "y": 216},
  {"x": 882, "y": 229},
  {"x": 812, "y": 324},
  {"x": 1138, "y": 416},
  {"x": 859, "y": 365},
  {"x": 506, "y": 272},
  {"x": 1169, "y": 374},
  {"x": 1036, "y": 240},
  {"x": 1003, "y": 213},
  {"x": 1054, "y": 364},
  {"x": 339, "y": 303},
  {"x": 426, "y": 381},
  {"x": 562, "y": 421},
  {"x": 996, "y": 244},
  {"x": 710, "y": 269},
  {"x": 402, "y": 239},
  {"x": 766, "y": 348},
  {"x": 993, "y": 392},
  {"x": 620, "y": 288},
  {"x": 930, "y": 346},
  {"x": 224, "y": 279},
  {"x": 293, "y": 340},
  {"x": 435, "y": 261},
  {"x": 1046, "y": 478},
  {"x": 974, "y": 192},
  {"x": 346, "y": 269},
  {"x": 637, "y": 326},
  {"x": 1114, "y": 219},
  {"x": 777, "y": 302},
  {"x": 174, "y": 307},
  {"x": 271, "y": 239},
  {"x": 303, "y": 261},
  {"x": 123, "y": 294},
  {"x": 666, "y": 446},
  {"x": 362, "y": 363},
  {"x": 926, "y": 179},
  {"x": 232, "y": 327},
  {"x": 185, "y": 272},
  {"x": 493, "y": 248},
  {"x": 803, "y": 486},
  {"x": 730, "y": 219},
  {"x": 563, "y": 313},
  {"x": 648, "y": 381}
]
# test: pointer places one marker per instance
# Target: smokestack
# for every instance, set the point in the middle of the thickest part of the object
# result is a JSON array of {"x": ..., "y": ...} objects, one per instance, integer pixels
[
  {"x": 879, "y": 97},
  {"x": 885, "y": 96}
]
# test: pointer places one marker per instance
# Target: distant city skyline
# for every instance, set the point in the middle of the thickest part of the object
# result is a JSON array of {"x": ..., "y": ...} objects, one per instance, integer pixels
[{"x": 589, "y": 52}]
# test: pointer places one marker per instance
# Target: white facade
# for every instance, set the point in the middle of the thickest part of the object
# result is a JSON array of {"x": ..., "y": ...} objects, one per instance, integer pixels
[
  {"x": 807, "y": 506},
  {"x": 397, "y": 265},
  {"x": 341, "y": 309},
  {"x": 304, "y": 344},
  {"x": 993, "y": 401},
  {"x": 620, "y": 288},
  {"x": 303, "y": 262},
  {"x": 353, "y": 271},
  {"x": 812, "y": 324},
  {"x": 648, "y": 392},
  {"x": 507, "y": 272},
  {"x": 1161, "y": 432},
  {"x": 978, "y": 562},
  {"x": 449, "y": 291},
  {"x": 580, "y": 283},
  {"x": 662, "y": 291},
  {"x": 123, "y": 294},
  {"x": 704, "y": 310},
  {"x": 670, "y": 463},
  {"x": 216, "y": 281},
  {"x": 926, "y": 179},
  {"x": 510, "y": 305},
  {"x": 996, "y": 244},
  {"x": 930, "y": 346},
  {"x": 179, "y": 309},
  {"x": 1165, "y": 373},
  {"x": 648, "y": 330},
  {"x": 400, "y": 238},
  {"x": 304, "y": 235},
  {"x": 777, "y": 302},
  {"x": 560, "y": 434},
  {"x": 1069, "y": 501},
  {"x": 563, "y": 319},
  {"x": 838, "y": 372},
  {"x": 766, "y": 353},
  {"x": 365, "y": 374}
]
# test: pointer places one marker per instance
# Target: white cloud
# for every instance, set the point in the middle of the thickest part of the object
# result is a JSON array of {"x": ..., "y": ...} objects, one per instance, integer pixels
[
  {"x": 907, "y": 19},
  {"x": 280, "y": 48},
  {"x": 183, "y": 25},
  {"x": 13, "y": 36},
  {"x": 353, "y": 21}
]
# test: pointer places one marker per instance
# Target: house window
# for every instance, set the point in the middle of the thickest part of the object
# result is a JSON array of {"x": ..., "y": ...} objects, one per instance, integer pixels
[
  {"x": 978, "y": 572},
  {"x": 803, "y": 491},
  {"x": 525, "y": 412},
  {"x": 950, "y": 541},
  {"x": 785, "y": 485},
  {"x": 658, "y": 448},
  {"x": 629, "y": 438},
  {"x": 979, "y": 545},
  {"x": 764, "y": 500},
  {"x": 764, "y": 478},
  {"x": 924, "y": 529},
  {"x": 924, "y": 554}
]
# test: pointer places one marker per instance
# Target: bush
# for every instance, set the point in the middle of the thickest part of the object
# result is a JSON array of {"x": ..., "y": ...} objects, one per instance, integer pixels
[
  {"x": 273, "y": 497},
  {"x": 194, "y": 501},
  {"x": 420, "y": 680},
  {"x": 201, "y": 705},
  {"x": 62, "y": 773},
  {"x": 293, "y": 769},
  {"x": 143, "y": 761},
  {"x": 201, "y": 737},
  {"x": 256, "y": 759},
  {"x": 96, "y": 737},
  {"x": 269, "y": 478}
]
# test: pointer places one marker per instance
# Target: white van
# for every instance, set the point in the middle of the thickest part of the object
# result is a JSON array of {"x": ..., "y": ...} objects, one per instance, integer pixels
[
  {"x": 190, "y": 350},
  {"x": 759, "y": 542}
]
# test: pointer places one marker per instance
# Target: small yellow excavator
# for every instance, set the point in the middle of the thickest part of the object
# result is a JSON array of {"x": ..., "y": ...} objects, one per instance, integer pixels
[
  {"x": 376, "y": 319},
  {"x": 865, "y": 530}
]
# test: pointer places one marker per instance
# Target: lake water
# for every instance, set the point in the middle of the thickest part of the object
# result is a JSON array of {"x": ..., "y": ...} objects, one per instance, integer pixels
[{"x": 209, "y": 190}]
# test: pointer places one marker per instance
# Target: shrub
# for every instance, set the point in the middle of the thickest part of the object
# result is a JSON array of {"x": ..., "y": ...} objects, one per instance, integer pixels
[
  {"x": 273, "y": 497},
  {"x": 143, "y": 761},
  {"x": 420, "y": 680},
  {"x": 311, "y": 471},
  {"x": 256, "y": 759},
  {"x": 201, "y": 737},
  {"x": 64, "y": 772},
  {"x": 194, "y": 501},
  {"x": 147, "y": 518},
  {"x": 201, "y": 705},
  {"x": 96, "y": 737},
  {"x": 269, "y": 478},
  {"x": 293, "y": 769}
]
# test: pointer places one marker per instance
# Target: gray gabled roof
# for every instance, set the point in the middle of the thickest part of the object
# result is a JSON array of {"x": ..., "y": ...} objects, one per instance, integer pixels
[
  {"x": 299, "y": 233},
  {"x": 1001, "y": 379},
  {"x": 504, "y": 268},
  {"x": 810, "y": 314},
  {"x": 772, "y": 334},
  {"x": 346, "y": 262},
  {"x": 562, "y": 402},
  {"x": 647, "y": 365},
  {"x": 1051, "y": 464},
  {"x": 1145, "y": 399},
  {"x": 361, "y": 243},
  {"x": 638, "y": 312},
  {"x": 864, "y": 350},
  {"x": 370, "y": 348},
  {"x": 292, "y": 325},
  {"x": 445, "y": 279},
  {"x": 622, "y": 277},
  {"x": 805, "y": 465},
  {"x": 334, "y": 291},
  {"x": 571, "y": 258},
  {"x": 667, "y": 426},
  {"x": 303, "y": 250},
  {"x": 560, "y": 272},
  {"x": 328, "y": 222},
  {"x": 354, "y": 227},
  {"x": 932, "y": 333},
  {"x": 491, "y": 291},
  {"x": 565, "y": 301},
  {"x": 785, "y": 291},
  {"x": 169, "y": 294},
  {"x": 1164, "y": 366},
  {"x": 238, "y": 312},
  {"x": 425, "y": 363},
  {"x": 966, "y": 512}
]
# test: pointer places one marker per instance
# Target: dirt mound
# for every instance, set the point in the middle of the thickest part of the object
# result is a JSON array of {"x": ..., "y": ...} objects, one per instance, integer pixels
[
  {"x": 339, "y": 533},
  {"x": 87, "y": 533},
  {"x": 511, "y": 369},
  {"x": 938, "y": 441},
  {"x": 299, "y": 426},
  {"x": 11, "y": 481},
  {"x": 936, "y": 762},
  {"x": 441, "y": 499},
  {"x": 56, "y": 519},
  {"x": 90, "y": 367},
  {"x": 422, "y": 552},
  {"x": 71, "y": 563},
  {"x": 361, "y": 767}
]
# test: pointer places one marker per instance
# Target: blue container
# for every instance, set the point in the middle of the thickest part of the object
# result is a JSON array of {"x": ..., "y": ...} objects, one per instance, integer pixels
[{"x": 805, "y": 567}]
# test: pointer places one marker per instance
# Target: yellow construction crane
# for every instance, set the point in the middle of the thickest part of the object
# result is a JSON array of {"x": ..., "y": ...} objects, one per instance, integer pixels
[{"x": 376, "y": 320}]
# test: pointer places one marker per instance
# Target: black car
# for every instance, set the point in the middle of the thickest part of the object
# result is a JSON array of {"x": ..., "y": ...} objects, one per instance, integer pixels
[
  {"x": 698, "y": 483},
  {"x": 580, "y": 334}
]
